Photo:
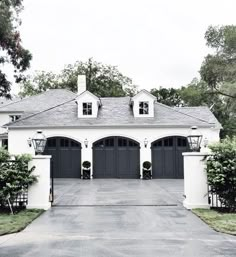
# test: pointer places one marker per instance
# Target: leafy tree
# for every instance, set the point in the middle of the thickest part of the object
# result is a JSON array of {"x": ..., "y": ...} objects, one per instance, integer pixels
[
  {"x": 220, "y": 68},
  {"x": 102, "y": 80},
  {"x": 11, "y": 50},
  {"x": 168, "y": 96},
  {"x": 198, "y": 93}
]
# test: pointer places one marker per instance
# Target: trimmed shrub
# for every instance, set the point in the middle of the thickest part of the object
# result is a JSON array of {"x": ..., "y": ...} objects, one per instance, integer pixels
[
  {"x": 221, "y": 171},
  {"x": 86, "y": 164},
  {"x": 147, "y": 165}
]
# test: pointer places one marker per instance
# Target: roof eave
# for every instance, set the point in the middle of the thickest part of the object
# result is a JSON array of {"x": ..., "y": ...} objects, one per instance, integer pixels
[{"x": 113, "y": 126}]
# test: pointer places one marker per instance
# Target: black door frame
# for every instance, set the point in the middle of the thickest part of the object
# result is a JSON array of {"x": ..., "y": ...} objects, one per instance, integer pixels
[{"x": 128, "y": 143}]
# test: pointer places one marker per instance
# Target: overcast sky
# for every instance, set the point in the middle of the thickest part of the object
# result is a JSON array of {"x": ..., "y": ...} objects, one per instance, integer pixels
[{"x": 156, "y": 43}]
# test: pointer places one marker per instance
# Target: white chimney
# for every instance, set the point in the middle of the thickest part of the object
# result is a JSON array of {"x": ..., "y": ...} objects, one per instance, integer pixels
[{"x": 81, "y": 84}]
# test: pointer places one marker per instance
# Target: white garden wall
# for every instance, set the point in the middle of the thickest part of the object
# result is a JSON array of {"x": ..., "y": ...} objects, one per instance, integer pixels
[{"x": 18, "y": 137}]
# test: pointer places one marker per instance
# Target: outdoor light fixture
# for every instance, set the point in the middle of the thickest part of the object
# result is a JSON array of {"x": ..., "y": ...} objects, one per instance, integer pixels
[
  {"x": 205, "y": 142},
  {"x": 29, "y": 141},
  {"x": 86, "y": 142},
  {"x": 39, "y": 142},
  {"x": 194, "y": 139},
  {"x": 145, "y": 142}
]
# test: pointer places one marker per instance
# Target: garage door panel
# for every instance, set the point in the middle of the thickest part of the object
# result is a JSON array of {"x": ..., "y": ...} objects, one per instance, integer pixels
[
  {"x": 109, "y": 160},
  {"x": 179, "y": 162},
  {"x": 167, "y": 159},
  {"x": 134, "y": 162},
  {"x": 104, "y": 159},
  {"x": 157, "y": 162},
  {"x": 169, "y": 163},
  {"x": 123, "y": 163},
  {"x": 128, "y": 163},
  {"x": 99, "y": 157},
  {"x": 120, "y": 158},
  {"x": 66, "y": 157}
]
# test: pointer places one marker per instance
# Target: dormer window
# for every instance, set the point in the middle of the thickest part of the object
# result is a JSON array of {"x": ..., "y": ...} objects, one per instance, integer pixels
[
  {"x": 14, "y": 117},
  {"x": 87, "y": 108},
  {"x": 143, "y": 108}
]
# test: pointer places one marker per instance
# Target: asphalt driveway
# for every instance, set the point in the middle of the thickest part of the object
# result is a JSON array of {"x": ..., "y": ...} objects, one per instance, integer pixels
[
  {"x": 126, "y": 226},
  {"x": 124, "y": 192}
]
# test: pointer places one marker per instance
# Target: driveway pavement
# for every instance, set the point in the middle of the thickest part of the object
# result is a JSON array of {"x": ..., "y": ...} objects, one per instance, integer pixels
[{"x": 126, "y": 226}]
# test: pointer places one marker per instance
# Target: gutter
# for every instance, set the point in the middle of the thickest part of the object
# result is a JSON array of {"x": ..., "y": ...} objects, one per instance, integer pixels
[{"x": 110, "y": 126}]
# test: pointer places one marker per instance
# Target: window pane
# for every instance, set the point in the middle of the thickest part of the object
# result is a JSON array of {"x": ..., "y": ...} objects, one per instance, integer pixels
[
  {"x": 109, "y": 142},
  {"x": 51, "y": 142},
  {"x": 75, "y": 144},
  {"x": 122, "y": 142},
  {"x": 64, "y": 142},
  {"x": 87, "y": 108},
  {"x": 143, "y": 108}
]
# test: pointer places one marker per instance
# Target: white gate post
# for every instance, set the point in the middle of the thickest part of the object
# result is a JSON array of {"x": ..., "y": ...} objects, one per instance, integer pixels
[
  {"x": 38, "y": 193},
  {"x": 195, "y": 181}
]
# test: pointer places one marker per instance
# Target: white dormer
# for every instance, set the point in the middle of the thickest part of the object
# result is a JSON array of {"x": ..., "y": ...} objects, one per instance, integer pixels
[
  {"x": 87, "y": 102},
  {"x": 143, "y": 104}
]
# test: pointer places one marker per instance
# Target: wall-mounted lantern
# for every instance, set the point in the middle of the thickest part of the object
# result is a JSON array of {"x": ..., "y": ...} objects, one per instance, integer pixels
[
  {"x": 145, "y": 142},
  {"x": 205, "y": 142},
  {"x": 194, "y": 139},
  {"x": 38, "y": 141},
  {"x": 29, "y": 141},
  {"x": 86, "y": 142}
]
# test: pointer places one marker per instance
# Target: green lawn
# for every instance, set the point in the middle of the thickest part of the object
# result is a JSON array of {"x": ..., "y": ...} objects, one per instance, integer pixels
[
  {"x": 14, "y": 223},
  {"x": 222, "y": 222}
]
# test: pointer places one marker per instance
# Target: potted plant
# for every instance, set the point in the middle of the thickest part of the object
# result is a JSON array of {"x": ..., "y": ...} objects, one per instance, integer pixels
[
  {"x": 147, "y": 171},
  {"x": 86, "y": 169}
]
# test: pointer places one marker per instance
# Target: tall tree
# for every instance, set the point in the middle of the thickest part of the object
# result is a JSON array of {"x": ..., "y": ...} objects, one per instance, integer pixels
[
  {"x": 219, "y": 68},
  {"x": 11, "y": 49},
  {"x": 198, "y": 93},
  {"x": 102, "y": 80},
  {"x": 168, "y": 96}
]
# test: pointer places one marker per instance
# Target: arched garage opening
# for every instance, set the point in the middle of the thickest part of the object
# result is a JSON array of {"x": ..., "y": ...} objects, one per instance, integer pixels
[
  {"x": 116, "y": 157},
  {"x": 66, "y": 157},
  {"x": 167, "y": 159}
]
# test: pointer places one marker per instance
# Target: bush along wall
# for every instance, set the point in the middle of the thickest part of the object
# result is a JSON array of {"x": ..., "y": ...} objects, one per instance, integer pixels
[
  {"x": 221, "y": 172},
  {"x": 15, "y": 177}
]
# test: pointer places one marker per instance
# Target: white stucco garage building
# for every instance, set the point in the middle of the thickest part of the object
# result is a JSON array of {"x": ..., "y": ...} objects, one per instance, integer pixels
[{"x": 116, "y": 134}]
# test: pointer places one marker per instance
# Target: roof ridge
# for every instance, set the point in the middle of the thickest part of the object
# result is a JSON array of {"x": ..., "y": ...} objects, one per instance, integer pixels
[
  {"x": 37, "y": 113},
  {"x": 171, "y": 108}
]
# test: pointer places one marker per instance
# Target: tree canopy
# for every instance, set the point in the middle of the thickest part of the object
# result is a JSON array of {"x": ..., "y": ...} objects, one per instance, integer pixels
[
  {"x": 11, "y": 50},
  {"x": 219, "y": 68},
  {"x": 168, "y": 96},
  {"x": 101, "y": 79}
]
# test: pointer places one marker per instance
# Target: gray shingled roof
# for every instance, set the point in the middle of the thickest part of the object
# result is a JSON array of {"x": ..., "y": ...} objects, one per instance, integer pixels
[
  {"x": 203, "y": 112},
  {"x": 116, "y": 111},
  {"x": 40, "y": 102}
]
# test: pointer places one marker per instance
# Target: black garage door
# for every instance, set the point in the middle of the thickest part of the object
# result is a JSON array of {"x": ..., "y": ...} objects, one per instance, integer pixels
[
  {"x": 167, "y": 159},
  {"x": 116, "y": 157},
  {"x": 66, "y": 157}
]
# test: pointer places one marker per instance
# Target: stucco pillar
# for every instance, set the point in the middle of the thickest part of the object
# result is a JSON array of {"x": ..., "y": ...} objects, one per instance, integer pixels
[
  {"x": 38, "y": 193},
  {"x": 145, "y": 155},
  {"x": 87, "y": 155},
  {"x": 195, "y": 181}
]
